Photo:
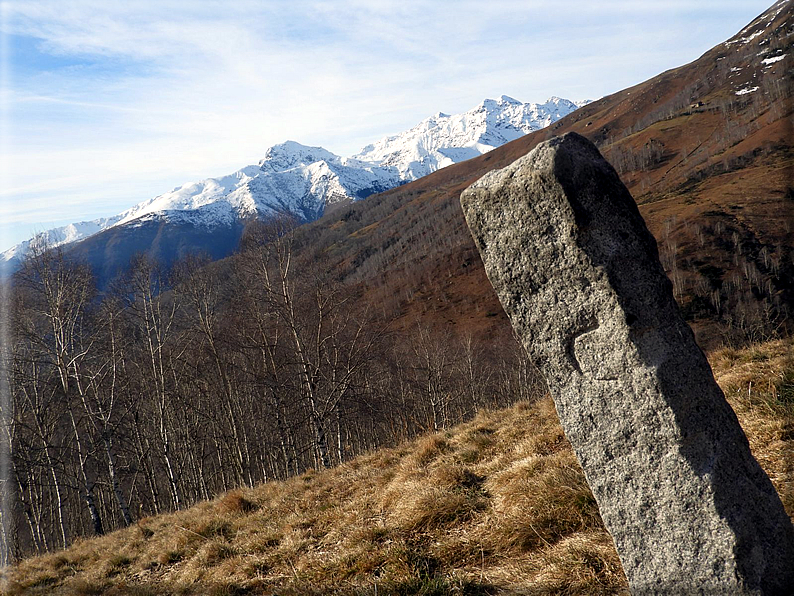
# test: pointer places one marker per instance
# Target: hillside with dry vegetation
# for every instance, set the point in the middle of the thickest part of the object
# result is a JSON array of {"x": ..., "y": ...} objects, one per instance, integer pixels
[
  {"x": 497, "y": 505},
  {"x": 707, "y": 151},
  {"x": 359, "y": 379}
]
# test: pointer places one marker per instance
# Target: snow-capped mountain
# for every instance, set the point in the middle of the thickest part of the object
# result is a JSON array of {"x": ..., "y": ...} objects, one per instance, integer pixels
[
  {"x": 301, "y": 180},
  {"x": 442, "y": 140}
]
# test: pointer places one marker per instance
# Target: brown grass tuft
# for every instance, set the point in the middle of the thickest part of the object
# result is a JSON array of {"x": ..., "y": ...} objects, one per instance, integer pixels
[
  {"x": 428, "y": 449},
  {"x": 540, "y": 503},
  {"x": 235, "y": 502}
]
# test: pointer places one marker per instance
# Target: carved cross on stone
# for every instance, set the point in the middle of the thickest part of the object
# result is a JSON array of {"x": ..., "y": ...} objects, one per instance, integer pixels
[{"x": 578, "y": 273}]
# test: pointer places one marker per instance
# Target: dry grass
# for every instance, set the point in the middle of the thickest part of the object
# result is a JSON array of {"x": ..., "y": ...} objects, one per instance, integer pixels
[
  {"x": 759, "y": 384},
  {"x": 495, "y": 506}
]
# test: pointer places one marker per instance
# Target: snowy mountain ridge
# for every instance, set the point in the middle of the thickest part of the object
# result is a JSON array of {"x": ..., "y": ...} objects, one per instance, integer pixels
[
  {"x": 442, "y": 140},
  {"x": 302, "y": 180}
]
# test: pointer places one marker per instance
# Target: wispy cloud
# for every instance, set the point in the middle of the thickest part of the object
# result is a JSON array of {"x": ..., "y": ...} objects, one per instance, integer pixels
[{"x": 118, "y": 97}]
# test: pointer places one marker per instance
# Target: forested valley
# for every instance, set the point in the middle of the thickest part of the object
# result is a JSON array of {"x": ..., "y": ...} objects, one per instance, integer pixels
[{"x": 172, "y": 387}]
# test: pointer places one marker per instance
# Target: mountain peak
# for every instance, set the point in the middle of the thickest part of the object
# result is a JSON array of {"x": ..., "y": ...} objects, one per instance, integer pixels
[
  {"x": 290, "y": 154},
  {"x": 501, "y": 102}
]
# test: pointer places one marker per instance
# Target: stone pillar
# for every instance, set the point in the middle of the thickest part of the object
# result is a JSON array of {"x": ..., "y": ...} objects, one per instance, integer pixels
[{"x": 687, "y": 505}]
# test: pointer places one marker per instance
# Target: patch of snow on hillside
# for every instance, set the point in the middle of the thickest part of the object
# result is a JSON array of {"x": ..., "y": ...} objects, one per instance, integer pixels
[
  {"x": 769, "y": 61},
  {"x": 781, "y": 5},
  {"x": 747, "y": 90},
  {"x": 746, "y": 40}
]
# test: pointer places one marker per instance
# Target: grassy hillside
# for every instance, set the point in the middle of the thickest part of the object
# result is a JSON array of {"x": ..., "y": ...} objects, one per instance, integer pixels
[{"x": 498, "y": 505}]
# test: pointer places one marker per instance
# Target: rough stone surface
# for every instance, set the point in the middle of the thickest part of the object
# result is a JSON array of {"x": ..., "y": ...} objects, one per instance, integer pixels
[{"x": 578, "y": 273}]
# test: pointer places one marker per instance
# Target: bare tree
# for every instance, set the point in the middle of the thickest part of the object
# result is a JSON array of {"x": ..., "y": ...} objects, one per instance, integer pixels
[
  {"x": 58, "y": 296},
  {"x": 152, "y": 316},
  {"x": 310, "y": 320}
]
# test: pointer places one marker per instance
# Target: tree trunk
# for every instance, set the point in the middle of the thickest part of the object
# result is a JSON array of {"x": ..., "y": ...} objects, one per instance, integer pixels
[
  {"x": 88, "y": 495},
  {"x": 125, "y": 511}
]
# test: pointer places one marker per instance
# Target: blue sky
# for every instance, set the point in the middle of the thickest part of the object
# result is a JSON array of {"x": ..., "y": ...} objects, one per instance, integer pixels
[{"x": 105, "y": 104}]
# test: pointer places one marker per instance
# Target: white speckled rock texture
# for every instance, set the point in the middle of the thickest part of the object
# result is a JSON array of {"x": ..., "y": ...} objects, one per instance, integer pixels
[{"x": 689, "y": 508}]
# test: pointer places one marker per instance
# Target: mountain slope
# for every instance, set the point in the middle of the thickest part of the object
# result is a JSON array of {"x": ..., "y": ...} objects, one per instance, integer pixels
[
  {"x": 710, "y": 163},
  {"x": 301, "y": 181}
]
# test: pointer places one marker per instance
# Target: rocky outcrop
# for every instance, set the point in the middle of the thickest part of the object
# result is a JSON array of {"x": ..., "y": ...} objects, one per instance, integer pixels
[{"x": 565, "y": 247}]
